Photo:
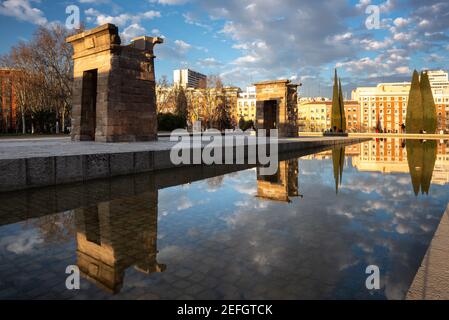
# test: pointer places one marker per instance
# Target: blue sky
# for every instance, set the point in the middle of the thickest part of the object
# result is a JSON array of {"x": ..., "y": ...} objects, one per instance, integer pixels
[{"x": 251, "y": 40}]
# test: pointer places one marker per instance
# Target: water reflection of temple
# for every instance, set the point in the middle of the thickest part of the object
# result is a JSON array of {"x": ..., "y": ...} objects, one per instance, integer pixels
[
  {"x": 111, "y": 238},
  {"x": 282, "y": 185}
]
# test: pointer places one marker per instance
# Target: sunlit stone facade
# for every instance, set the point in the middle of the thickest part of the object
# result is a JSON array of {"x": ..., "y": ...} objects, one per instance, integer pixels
[
  {"x": 277, "y": 107},
  {"x": 114, "y": 97},
  {"x": 314, "y": 115}
]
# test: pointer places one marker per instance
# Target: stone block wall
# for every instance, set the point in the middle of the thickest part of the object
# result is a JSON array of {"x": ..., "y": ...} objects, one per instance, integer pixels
[
  {"x": 124, "y": 105},
  {"x": 281, "y": 95}
]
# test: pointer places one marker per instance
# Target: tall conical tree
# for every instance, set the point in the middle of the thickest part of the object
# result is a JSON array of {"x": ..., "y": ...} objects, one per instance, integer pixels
[
  {"x": 336, "y": 113},
  {"x": 428, "y": 104},
  {"x": 414, "y": 118},
  {"x": 342, "y": 107}
]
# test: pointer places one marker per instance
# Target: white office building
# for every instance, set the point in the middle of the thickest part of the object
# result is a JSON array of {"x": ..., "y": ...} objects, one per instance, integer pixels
[{"x": 187, "y": 78}]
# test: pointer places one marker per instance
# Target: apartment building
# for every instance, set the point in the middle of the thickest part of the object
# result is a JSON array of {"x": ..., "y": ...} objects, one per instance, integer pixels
[
  {"x": 314, "y": 115},
  {"x": 187, "y": 78},
  {"x": 246, "y": 104},
  {"x": 384, "y": 107}
]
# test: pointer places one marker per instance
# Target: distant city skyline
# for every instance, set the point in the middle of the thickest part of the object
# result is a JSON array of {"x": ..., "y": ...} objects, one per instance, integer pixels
[{"x": 248, "y": 41}]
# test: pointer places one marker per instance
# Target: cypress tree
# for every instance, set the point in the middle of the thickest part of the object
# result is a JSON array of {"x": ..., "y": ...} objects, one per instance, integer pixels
[
  {"x": 342, "y": 107},
  {"x": 335, "y": 114},
  {"x": 428, "y": 104},
  {"x": 414, "y": 118}
]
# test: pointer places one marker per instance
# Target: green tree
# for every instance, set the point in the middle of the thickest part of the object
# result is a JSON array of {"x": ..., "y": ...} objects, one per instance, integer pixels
[
  {"x": 414, "y": 118},
  {"x": 428, "y": 104},
  {"x": 181, "y": 106},
  {"x": 342, "y": 108},
  {"x": 336, "y": 111}
]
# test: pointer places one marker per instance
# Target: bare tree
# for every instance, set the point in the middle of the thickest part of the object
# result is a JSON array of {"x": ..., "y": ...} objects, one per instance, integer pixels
[{"x": 45, "y": 69}]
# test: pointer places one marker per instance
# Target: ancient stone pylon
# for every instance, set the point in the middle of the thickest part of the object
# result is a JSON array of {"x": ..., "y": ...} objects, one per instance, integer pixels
[
  {"x": 114, "y": 98},
  {"x": 276, "y": 107}
]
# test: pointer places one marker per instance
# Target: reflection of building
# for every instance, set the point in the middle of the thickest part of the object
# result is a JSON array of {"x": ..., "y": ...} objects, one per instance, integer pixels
[
  {"x": 314, "y": 116},
  {"x": 110, "y": 240},
  {"x": 385, "y": 106},
  {"x": 187, "y": 78},
  {"x": 282, "y": 185},
  {"x": 246, "y": 104},
  {"x": 390, "y": 156},
  {"x": 8, "y": 112}
]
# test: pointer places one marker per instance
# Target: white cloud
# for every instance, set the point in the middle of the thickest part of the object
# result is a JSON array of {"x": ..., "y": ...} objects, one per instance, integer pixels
[
  {"x": 132, "y": 31},
  {"x": 401, "y": 22},
  {"x": 23, "y": 243},
  {"x": 403, "y": 70},
  {"x": 182, "y": 45},
  {"x": 121, "y": 19},
  {"x": 209, "y": 62},
  {"x": 22, "y": 10},
  {"x": 245, "y": 60},
  {"x": 189, "y": 18},
  {"x": 170, "y": 2}
]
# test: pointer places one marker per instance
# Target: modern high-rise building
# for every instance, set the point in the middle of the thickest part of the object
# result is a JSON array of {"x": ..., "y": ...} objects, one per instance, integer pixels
[
  {"x": 384, "y": 107},
  {"x": 187, "y": 78}
]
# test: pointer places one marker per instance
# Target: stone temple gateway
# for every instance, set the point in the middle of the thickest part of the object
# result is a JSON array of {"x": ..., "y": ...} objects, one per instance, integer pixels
[
  {"x": 276, "y": 107},
  {"x": 114, "y": 98}
]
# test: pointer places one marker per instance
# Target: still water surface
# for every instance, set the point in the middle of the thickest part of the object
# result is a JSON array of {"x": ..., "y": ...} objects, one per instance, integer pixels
[{"x": 308, "y": 232}]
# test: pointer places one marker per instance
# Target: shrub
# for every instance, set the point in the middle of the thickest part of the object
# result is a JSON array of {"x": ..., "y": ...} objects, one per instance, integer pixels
[{"x": 170, "y": 122}]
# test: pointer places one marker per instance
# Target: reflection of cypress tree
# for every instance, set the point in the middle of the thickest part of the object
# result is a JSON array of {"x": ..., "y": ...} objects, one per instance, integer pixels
[
  {"x": 336, "y": 114},
  {"x": 430, "y": 156},
  {"x": 415, "y": 158},
  {"x": 428, "y": 105},
  {"x": 414, "y": 118},
  {"x": 338, "y": 158},
  {"x": 421, "y": 157}
]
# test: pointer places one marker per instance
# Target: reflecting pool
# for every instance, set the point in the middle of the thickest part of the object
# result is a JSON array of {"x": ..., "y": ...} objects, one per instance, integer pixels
[{"x": 307, "y": 232}]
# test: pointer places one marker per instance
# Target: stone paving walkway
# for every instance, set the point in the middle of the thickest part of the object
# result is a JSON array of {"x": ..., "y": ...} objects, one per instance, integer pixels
[
  {"x": 52, "y": 147},
  {"x": 432, "y": 279},
  {"x": 43, "y": 162}
]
